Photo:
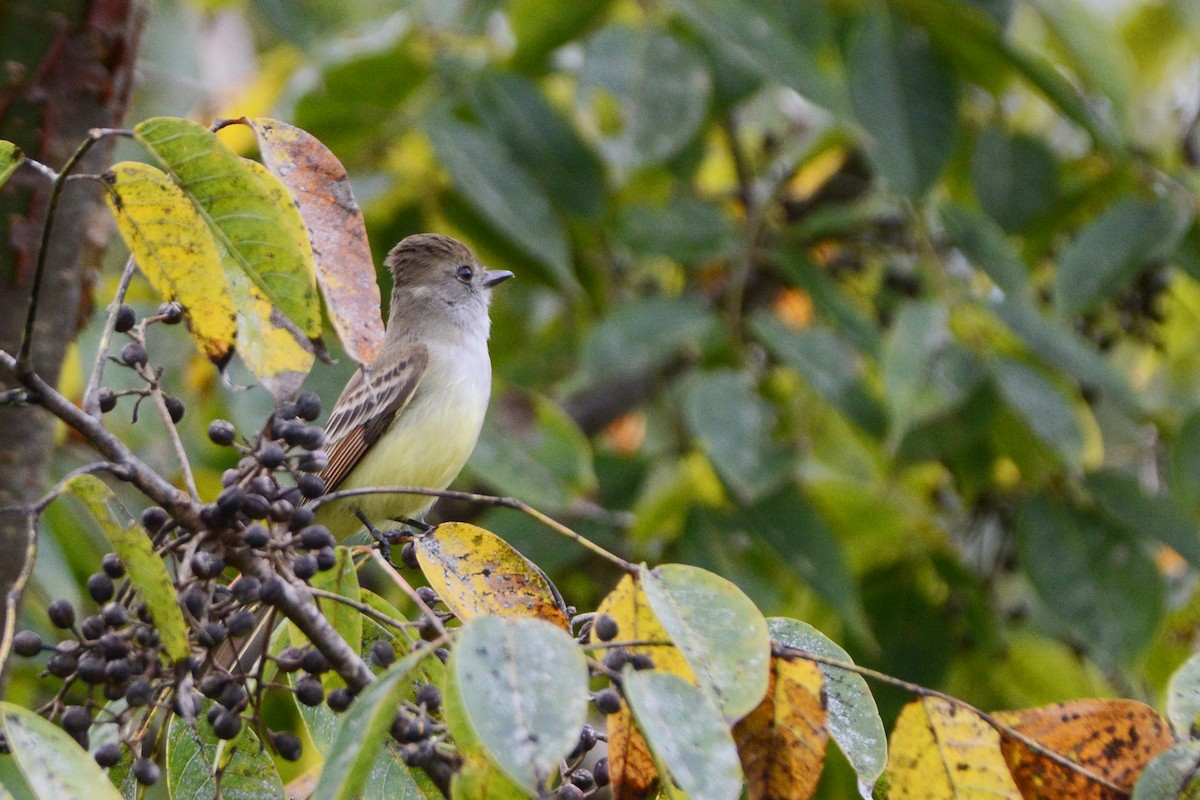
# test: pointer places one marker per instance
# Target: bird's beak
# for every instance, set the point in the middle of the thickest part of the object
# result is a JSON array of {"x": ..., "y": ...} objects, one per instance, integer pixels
[{"x": 491, "y": 277}]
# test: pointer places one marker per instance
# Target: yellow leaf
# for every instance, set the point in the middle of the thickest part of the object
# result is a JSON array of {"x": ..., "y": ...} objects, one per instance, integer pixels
[
  {"x": 630, "y": 763},
  {"x": 477, "y": 573},
  {"x": 782, "y": 742},
  {"x": 175, "y": 250},
  {"x": 1107, "y": 742},
  {"x": 943, "y": 751}
]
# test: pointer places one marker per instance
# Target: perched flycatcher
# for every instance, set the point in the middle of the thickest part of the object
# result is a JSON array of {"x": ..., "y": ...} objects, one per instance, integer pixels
[{"x": 414, "y": 417}]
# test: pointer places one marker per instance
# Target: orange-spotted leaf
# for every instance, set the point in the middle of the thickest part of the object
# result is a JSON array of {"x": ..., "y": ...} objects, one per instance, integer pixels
[
  {"x": 631, "y": 766},
  {"x": 253, "y": 219},
  {"x": 1089, "y": 749},
  {"x": 781, "y": 743},
  {"x": 175, "y": 250},
  {"x": 944, "y": 751},
  {"x": 345, "y": 268},
  {"x": 476, "y": 573},
  {"x": 10, "y": 158}
]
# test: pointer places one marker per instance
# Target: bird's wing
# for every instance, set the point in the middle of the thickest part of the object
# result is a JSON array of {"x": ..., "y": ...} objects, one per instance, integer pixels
[{"x": 366, "y": 409}]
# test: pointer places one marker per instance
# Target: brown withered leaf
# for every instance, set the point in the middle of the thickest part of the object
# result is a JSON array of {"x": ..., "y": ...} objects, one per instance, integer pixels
[
  {"x": 345, "y": 269},
  {"x": 1105, "y": 743},
  {"x": 782, "y": 742}
]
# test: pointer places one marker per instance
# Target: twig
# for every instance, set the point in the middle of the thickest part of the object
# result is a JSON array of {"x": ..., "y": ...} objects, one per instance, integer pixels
[
  {"x": 23, "y": 365},
  {"x": 13, "y": 597},
  {"x": 91, "y": 400},
  {"x": 483, "y": 499},
  {"x": 363, "y": 608},
  {"x": 407, "y": 588},
  {"x": 173, "y": 433}
]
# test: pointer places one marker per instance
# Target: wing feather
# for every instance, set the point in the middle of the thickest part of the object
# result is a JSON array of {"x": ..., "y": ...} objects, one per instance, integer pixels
[{"x": 366, "y": 409}]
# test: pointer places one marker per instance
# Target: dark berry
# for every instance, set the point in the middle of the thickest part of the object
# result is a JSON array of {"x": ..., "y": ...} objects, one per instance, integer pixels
[
  {"x": 153, "y": 518},
  {"x": 171, "y": 313},
  {"x": 212, "y": 684},
  {"x": 311, "y": 438},
  {"x": 301, "y": 518},
  {"x": 108, "y": 754},
  {"x": 100, "y": 587},
  {"x": 326, "y": 558},
  {"x": 287, "y": 745},
  {"x": 61, "y": 613},
  {"x": 207, "y": 565},
  {"x": 616, "y": 659},
  {"x": 289, "y": 660},
  {"x": 91, "y": 670},
  {"x": 114, "y": 615},
  {"x": 339, "y": 699},
  {"x": 256, "y": 536},
  {"x": 233, "y": 697},
  {"x": 146, "y": 772},
  {"x": 256, "y": 506},
  {"x": 308, "y": 406},
  {"x": 314, "y": 537},
  {"x": 125, "y": 320},
  {"x": 587, "y": 740},
  {"x": 285, "y": 411},
  {"x": 106, "y": 399},
  {"x": 133, "y": 355},
  {"x": 211, "y": 634},
  {"x": 408, "y": 556},
  {"x": 608, "y": 701},
  {"x": 146, "y": 637},
  {"x": 76, "y": 719},
  {"x": 230, "y": 500},
  {"x": 382, "y": 653},
  {"x": 139, "y": 693},
  {"x": 118, "y": 672},
  {"x": 113, "y": 646},
  {"x": 227, "y": 725},
  {"x": 280, "y": 511},
  {"x": 92, "y": 627},
  {"x": 568, "y": 791},
  {"x": 419, "y": 754},
  {"x": 600, "y": 772},
  {"x": 271, "y": 590},
  {"x": 429, "y": 696},
  {"x": 641, "y": 661},
  {"x": 293, "y": 496},
  {"x": 583, "y": 779},
  {"x": 309, "y": 691},
  {"x": 241, "y": 623},
  {"x": 62, "y": 665},
  {"x": 428, "y": 596},
  {"x": 271, "y": 455},
  {"x": 245, "y": 589},
  {"x": 315, "y": 662},
  {"x": 605, "y": 628},
  {"x": 175, "y": 408},
  {"x": 221, "y": 432},
  {"x": 316, "y": 461},
  {"x": 310, "y": 485},
  {"x": 304, "y": 567},
  {"x": 262, "y": 484},
  {"x": 27, "y": 644},
  {"x": 195, "y": 600},
  {"x": 291, "y": 432},
  {"x": 112, "y": 566}
]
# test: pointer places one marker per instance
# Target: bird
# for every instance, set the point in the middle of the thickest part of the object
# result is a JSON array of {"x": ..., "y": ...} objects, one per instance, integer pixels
[{"x": 413, "y": 418}]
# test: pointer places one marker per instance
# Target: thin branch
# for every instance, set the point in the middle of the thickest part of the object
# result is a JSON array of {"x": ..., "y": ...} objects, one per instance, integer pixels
[
  {"x": 407, "y": 588},
  {"x": 483, "y": 499},
  {"x": 13, "y": 597},
  {"x": 23, "y": 362},
  {"x": 91, "y": 400},
  {"x": 362, "y": 608},
  {"x": 185, "y": 465}
]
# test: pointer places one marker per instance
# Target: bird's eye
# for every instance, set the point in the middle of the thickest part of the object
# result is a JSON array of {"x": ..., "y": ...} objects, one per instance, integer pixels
[{"x": 465, "y": 273}]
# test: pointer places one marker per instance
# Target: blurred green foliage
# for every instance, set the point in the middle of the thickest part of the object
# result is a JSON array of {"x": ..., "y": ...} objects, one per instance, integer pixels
[{"x": 886, "y": 311}]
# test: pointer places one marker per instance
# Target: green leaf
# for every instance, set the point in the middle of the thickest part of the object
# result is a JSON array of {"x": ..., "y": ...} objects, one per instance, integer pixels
[
  {"x": 12, "y": 783},
  {"x": 788, "y": 522},
  {"x": 1015, "y": 177},
  {"x": 643, "y": 93},
  {"x": 1123, "y": 499},
  {"x": 146, "y": 569},
  {"x": 541, "y": 27},
  {"x": 362, "y": 731},
  {"x": 688, "y": 230},
  {"x": 854, "y": 721},
  {"x": 1110, "y": 252},
  {"x": 541, "y": 140},
  {"x": 1093, "y": 576},
  {"x": 828, "y": 365},
  {"x": 1047, "y": 410},
  {"x": 906, "y": 99},
  {"x": 488, "y": 178},
  {"x": 341, "y": 580},
  {"x": 734, "y": 426},
  {"x": 926, "y": 373},
  {"x": 686, "y": 734},
  {"x": 194, "y": 753},
  {"x": 721, "y": 634},
  {"x": 793, "y": 44},
  {"x": 987, "y": 247},
  {"x": 1173, "y": 775},
  {"x": 479, "y": 777},
  {"x": 52, "y": 765},
  {"x": 175, "y": 250},
  {"x": 644, "y": 335},
  {"x": 252, "y": 219},
  {"x": 1183, "y": 696},
  {"x": 532, "y": 449},
  {"x": 10, "y": 158},
  {"x": 1063, "y": 349},
  {"x": 523, "y": 688}
]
